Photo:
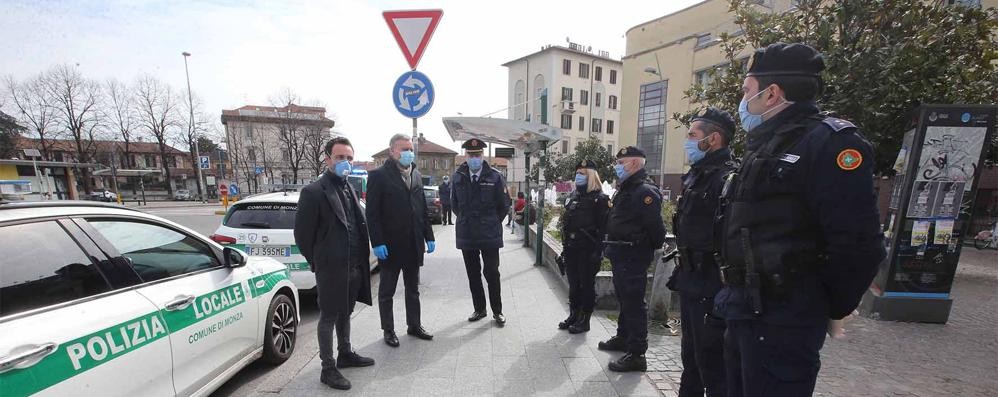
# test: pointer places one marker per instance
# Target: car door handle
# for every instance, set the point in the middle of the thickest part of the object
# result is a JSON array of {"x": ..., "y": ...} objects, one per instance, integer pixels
[
  {"x": 8, "y": 363},
  {"x": 180, "y": 303}
]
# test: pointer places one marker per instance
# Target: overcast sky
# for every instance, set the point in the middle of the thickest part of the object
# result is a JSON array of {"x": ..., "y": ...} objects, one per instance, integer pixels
[{"x": 337, "y": 52}]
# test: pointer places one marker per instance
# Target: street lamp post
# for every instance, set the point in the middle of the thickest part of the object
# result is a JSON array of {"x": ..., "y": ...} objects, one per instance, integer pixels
[{"x": 197, "y": 151}]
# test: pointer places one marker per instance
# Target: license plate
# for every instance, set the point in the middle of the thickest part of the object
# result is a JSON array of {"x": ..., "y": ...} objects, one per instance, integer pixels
[{"x": 269, "y": 251}]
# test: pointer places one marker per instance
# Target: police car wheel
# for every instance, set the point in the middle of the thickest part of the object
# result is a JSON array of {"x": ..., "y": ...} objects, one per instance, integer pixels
[{"x": 282, "y": 330}]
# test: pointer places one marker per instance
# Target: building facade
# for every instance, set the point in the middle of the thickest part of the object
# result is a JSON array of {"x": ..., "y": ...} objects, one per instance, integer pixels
[
  {"x": 583, "y": 91},
  {"x": 267, "y": 143},
  {"x": 433, "y": 161}
]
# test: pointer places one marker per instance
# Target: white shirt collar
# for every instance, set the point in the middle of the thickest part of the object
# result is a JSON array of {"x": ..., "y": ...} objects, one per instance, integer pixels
[{"x": 476, "y": 174}]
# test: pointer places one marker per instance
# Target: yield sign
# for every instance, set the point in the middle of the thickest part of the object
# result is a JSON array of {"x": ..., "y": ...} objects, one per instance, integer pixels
[{"x": 412, "y": 30}]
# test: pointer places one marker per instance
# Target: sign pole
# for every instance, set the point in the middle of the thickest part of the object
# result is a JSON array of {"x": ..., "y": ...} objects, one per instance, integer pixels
[{"x": 415, "y": 138}]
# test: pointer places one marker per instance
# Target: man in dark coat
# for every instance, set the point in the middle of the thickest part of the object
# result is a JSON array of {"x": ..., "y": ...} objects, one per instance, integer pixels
[
  {"x": 331, "y": 232},
  {"x": 480, "y": 201},
  {"x": 445, "y": 201},
  {"x": 399, "y": 225}
]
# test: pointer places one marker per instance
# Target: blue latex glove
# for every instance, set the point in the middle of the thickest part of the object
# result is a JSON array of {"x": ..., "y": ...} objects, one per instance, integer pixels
[
  {"x": 381, "y": 252},
  {"x": 431, "y": 246}
]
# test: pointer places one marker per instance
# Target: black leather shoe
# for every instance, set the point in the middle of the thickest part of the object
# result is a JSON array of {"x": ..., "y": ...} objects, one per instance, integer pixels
[
  {"x": 391, "y": 339},
  {"x": 573, "y": 316},
  {"x": 581, "y": 324},
  {"x": 477, "y": 316},
  {"x": 352, "y": 360},
  {"x": 500, "y": 319},
  {"x": 333, "y": 378},
  {"x": 420, "y": 333},
  {"x": 630, "y": 363},
  {"x": 615, "y": 343}
]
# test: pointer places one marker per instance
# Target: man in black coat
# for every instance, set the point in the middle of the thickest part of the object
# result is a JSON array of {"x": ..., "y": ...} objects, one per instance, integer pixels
[
  {"x": 399, "y": 225},
  {"x": 331, "y": 232},
  {"x": 480, "y": 201},
  {"x": 445, "y": 202}
]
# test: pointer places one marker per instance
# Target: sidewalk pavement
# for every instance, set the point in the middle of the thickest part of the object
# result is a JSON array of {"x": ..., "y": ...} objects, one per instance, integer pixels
[{"x": 529, "y": 356}]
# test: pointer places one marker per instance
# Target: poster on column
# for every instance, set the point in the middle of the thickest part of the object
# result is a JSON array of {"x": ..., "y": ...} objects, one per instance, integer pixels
[{"x": 943, "y": 232}]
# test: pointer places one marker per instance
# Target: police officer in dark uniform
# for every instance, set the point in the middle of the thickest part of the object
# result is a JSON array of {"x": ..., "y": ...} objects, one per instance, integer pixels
[
  {"x": 802, "y": 240},
  {"x": 697, "y": 229},
  {"x": 582, "y": 230},
  {"x": 480, "y": 201},
  {"x": 634, "y": 231}
]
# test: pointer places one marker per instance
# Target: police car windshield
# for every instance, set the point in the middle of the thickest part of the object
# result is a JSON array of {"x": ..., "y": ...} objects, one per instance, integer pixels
[{"x": 263, "y": 216}]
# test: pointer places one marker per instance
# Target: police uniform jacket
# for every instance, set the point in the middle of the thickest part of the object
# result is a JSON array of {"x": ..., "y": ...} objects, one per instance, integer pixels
[
  {"x": 804, "y": 191},
  {"x": 636, "y": 213},
  {"x": 696, "y": 224},
  {"x": 480, "y": 207},
  {"x": 584, "y": 222}
]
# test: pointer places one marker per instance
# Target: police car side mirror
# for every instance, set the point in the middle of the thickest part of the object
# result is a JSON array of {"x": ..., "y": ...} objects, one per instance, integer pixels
[{"x": 233, "y": 258}]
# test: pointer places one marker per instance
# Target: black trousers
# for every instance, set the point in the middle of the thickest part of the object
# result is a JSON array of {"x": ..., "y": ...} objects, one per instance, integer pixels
[
  {"x": 446, "y": 217},
  {"x": 630, "y": 277},
  {"x": 386, "y": 294},
  {"x": 702, "y": 348},
  {"x": 772, "y": 360},
  {"x": 330, "y": 320},
  {"x": 581, "y": 266},
  {"x": 473, "y": 260}
]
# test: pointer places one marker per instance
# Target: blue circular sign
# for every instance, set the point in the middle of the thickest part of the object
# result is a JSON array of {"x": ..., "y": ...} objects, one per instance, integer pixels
[
  {"x": 413, "y": 94},
  {"x": 233, "y": 189},
  {"x": 965, "y": 117}
]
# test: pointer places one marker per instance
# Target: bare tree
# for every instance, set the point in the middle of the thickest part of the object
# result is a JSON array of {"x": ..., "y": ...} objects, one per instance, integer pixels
[
  {"x": 157, "y": 106},
  {"x": 291, "y": 129},
  {"x": 122, "y": 116},
  {"x": 194, "y": 128},
  {"x": 77, "y": 100},
  {"x": 315, "y": 138},
  {"x": 35, "y": 109}
]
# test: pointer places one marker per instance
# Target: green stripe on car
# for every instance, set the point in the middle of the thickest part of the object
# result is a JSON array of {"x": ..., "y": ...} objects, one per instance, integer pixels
[{"x": 84, "y": 353}]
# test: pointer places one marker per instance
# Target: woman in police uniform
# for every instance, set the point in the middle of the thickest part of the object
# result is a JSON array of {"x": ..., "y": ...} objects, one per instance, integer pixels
[{"x": 582, "y": 226}]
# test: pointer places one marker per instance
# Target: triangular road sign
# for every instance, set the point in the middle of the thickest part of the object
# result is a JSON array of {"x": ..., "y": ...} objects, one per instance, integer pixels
[{"x": 412, "y": 30}]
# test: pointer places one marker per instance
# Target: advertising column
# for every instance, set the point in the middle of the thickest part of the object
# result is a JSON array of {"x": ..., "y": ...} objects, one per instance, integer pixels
[{"x": 938, "y": 167}]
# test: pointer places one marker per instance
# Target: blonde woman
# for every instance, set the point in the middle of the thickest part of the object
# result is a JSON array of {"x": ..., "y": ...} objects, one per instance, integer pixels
[{"x": 583, "y": 226}]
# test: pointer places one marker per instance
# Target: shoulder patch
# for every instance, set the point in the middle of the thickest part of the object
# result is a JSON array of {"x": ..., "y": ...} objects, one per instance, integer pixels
[
  {"x": 849, "y": 159},
  {"x": 648, "y": 200},
  {"x": 838, "y": 124}
]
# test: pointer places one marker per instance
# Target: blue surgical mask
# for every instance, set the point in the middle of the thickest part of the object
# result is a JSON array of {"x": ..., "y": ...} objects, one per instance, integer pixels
[
  {"x": 619, "y": 170},
  {"x": 748, "y": 119},
  {"x": 581, "y": 180},
  {"x": 475, "y": 163},
  {"x": 343, "y": 168},
  {"x": 406, "y": 158},
  {"x": 693, "y": 152}
]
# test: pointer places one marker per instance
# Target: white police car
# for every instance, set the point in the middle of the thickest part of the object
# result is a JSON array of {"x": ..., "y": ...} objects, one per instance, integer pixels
[
  {"x": 98, "y": 300},
  {"x": 263, "y": 225}
]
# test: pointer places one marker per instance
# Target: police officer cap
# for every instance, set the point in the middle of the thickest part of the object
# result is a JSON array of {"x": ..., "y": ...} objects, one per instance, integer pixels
[
  {"x": 473, "y": 145},
  {"x": 630, "y": 151},
  {"x": 586, "y": 163},
  {"x": 782, "y": 59},
  {"x": 719, "y": 118}
]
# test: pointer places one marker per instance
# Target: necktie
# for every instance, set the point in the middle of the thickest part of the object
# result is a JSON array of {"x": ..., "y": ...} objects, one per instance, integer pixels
[{"x": 474, "y": 178}]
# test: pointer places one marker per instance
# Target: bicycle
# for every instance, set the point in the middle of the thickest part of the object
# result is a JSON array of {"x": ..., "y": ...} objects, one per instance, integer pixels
[{"x": 986, "y": 239}]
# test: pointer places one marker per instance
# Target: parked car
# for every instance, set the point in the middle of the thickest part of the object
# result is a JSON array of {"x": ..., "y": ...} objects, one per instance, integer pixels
[
  {"x": 104, "y": 195},
  {"x": 182, "y": 195},
  {"x": 101, "y": 300},
  {"x": 263, "y": 225},
  {"x": 434, "y": 208},
  {"x": 358, "y": 179}
]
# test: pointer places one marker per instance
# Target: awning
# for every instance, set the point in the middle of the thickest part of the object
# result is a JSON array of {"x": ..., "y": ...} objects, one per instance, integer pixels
[
  {"x": 528, "y": 137},
  {"x": 59, "y": 164}
]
